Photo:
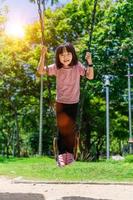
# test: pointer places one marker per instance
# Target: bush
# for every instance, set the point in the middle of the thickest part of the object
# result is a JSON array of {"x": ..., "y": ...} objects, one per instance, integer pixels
[{"x": 129, "y": 158}]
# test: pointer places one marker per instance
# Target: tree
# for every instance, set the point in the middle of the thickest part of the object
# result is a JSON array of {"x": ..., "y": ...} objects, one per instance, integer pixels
[{"x": 111, "y": 48}]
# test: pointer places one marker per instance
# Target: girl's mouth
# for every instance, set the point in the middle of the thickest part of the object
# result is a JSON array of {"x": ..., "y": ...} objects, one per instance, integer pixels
[{"x": 66, "y": 60}]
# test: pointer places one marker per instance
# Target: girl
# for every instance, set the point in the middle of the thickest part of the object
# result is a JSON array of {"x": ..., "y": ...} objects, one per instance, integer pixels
[{"x": 68, "y": 71}]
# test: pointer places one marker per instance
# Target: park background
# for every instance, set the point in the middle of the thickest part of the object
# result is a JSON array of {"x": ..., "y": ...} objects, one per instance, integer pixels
[{"x": 109, "y": 27}]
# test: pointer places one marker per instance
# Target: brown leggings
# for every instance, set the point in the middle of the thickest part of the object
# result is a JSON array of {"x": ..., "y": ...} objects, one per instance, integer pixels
[{"x": 66, "y": 123}]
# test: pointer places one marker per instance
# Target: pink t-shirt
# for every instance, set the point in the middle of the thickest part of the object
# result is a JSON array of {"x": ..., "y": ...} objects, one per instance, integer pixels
[{"x": 67, "y": 82}]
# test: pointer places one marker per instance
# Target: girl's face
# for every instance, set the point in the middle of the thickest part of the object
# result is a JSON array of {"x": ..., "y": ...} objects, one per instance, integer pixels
[{"x": 65, "y": 58}]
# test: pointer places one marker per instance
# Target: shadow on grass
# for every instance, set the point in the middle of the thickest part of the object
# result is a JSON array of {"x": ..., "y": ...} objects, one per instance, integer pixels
[
  {"x": 21, "y": 196},
  {"x": 80, "y": 198}
]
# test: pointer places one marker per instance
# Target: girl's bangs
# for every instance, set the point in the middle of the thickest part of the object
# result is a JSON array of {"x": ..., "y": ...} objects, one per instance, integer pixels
[{"x": 63, "y": 48}]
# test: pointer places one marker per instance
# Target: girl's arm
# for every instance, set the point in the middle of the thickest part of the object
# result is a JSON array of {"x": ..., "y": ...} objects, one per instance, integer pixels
[
  {"x": 41, "y": 69},
  {"x": 90, "y": 69}
]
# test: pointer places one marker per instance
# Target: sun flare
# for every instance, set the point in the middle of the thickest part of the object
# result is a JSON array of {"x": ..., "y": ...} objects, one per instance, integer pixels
[{"x": 15, "y": 30}]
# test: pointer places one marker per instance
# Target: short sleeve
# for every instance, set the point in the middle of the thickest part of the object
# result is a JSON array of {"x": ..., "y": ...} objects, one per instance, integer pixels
[
  {"x": 81, "y": 69},
  {"x": 52, "y": 70}
]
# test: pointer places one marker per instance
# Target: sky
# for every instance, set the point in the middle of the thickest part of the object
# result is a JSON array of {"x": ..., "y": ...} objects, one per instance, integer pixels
[
  {"x": 20, "y": 14},
  {"x": 22, "y": 10}
]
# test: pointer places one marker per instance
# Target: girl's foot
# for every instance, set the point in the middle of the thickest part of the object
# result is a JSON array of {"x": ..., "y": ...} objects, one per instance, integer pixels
[
  {"x": 69, "y": 158},
  {"x": 65, "y": 159},
  {"x": 61, "y": 160}
]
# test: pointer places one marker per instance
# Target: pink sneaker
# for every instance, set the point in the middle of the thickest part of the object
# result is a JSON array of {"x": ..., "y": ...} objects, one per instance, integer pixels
[
  {"x": 61, "y": 160},
  {"x": 69, "y": 158},
  {"x": 65, "y": 159}
]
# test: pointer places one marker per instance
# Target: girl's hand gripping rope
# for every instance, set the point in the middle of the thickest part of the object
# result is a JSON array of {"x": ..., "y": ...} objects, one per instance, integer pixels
[
  {"x": 41, "y": 69},
  {"x": 89, "y": 70},
  {"x": 88, "y": 58}
]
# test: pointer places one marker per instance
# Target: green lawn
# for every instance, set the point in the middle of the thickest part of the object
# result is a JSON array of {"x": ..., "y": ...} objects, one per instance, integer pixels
[{"x": 45, "y": 169}]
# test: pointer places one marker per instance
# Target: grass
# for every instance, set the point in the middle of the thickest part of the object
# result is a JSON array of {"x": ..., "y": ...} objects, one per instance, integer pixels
[{"x": 45, "y": 169}]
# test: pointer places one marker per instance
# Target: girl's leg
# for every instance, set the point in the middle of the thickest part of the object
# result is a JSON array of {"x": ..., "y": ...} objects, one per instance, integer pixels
[
  {"x": 66, "y": 122},
  {"x": 71, "y": 111},
  {"x": 60, "y": 138},
  {"x": 61, "y": 144}
]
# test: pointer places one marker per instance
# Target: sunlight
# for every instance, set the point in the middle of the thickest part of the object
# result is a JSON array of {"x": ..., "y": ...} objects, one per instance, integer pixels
[{"x": 15, "y": 30}]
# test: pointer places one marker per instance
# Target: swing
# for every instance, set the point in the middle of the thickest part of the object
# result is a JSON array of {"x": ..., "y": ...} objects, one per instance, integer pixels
[{"x": 55, "y": 142}]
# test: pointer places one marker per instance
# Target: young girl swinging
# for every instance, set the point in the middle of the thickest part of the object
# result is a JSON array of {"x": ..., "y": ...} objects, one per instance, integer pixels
[{"x": 68, "y": 71}]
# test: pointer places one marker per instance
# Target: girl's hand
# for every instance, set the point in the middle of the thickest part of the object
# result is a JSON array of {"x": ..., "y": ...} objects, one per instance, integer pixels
[
  {"x": 41, "y": 64},
  {"x": 88, "y": 58}
]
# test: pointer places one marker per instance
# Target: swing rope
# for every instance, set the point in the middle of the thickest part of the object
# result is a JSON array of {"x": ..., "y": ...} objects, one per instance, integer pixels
[
  {"x": 89, "y": 47},
  {"x": 41, "y": 18}
]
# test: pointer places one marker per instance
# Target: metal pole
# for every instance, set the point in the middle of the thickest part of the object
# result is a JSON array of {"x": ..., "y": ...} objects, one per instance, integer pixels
[
  {"x": 129, "y": 111},
  {"x": 41, "y": 116},
  {"x": 107, "y": 84},
  {"x": 107, "y": 121}
]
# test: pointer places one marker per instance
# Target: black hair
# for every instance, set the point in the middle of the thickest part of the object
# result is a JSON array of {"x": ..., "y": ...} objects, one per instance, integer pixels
[{"x": 69, "y": 47}]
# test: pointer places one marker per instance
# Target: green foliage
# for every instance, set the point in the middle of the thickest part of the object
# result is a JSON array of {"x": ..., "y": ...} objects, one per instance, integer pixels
[{"x": 112, "y": 51}]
